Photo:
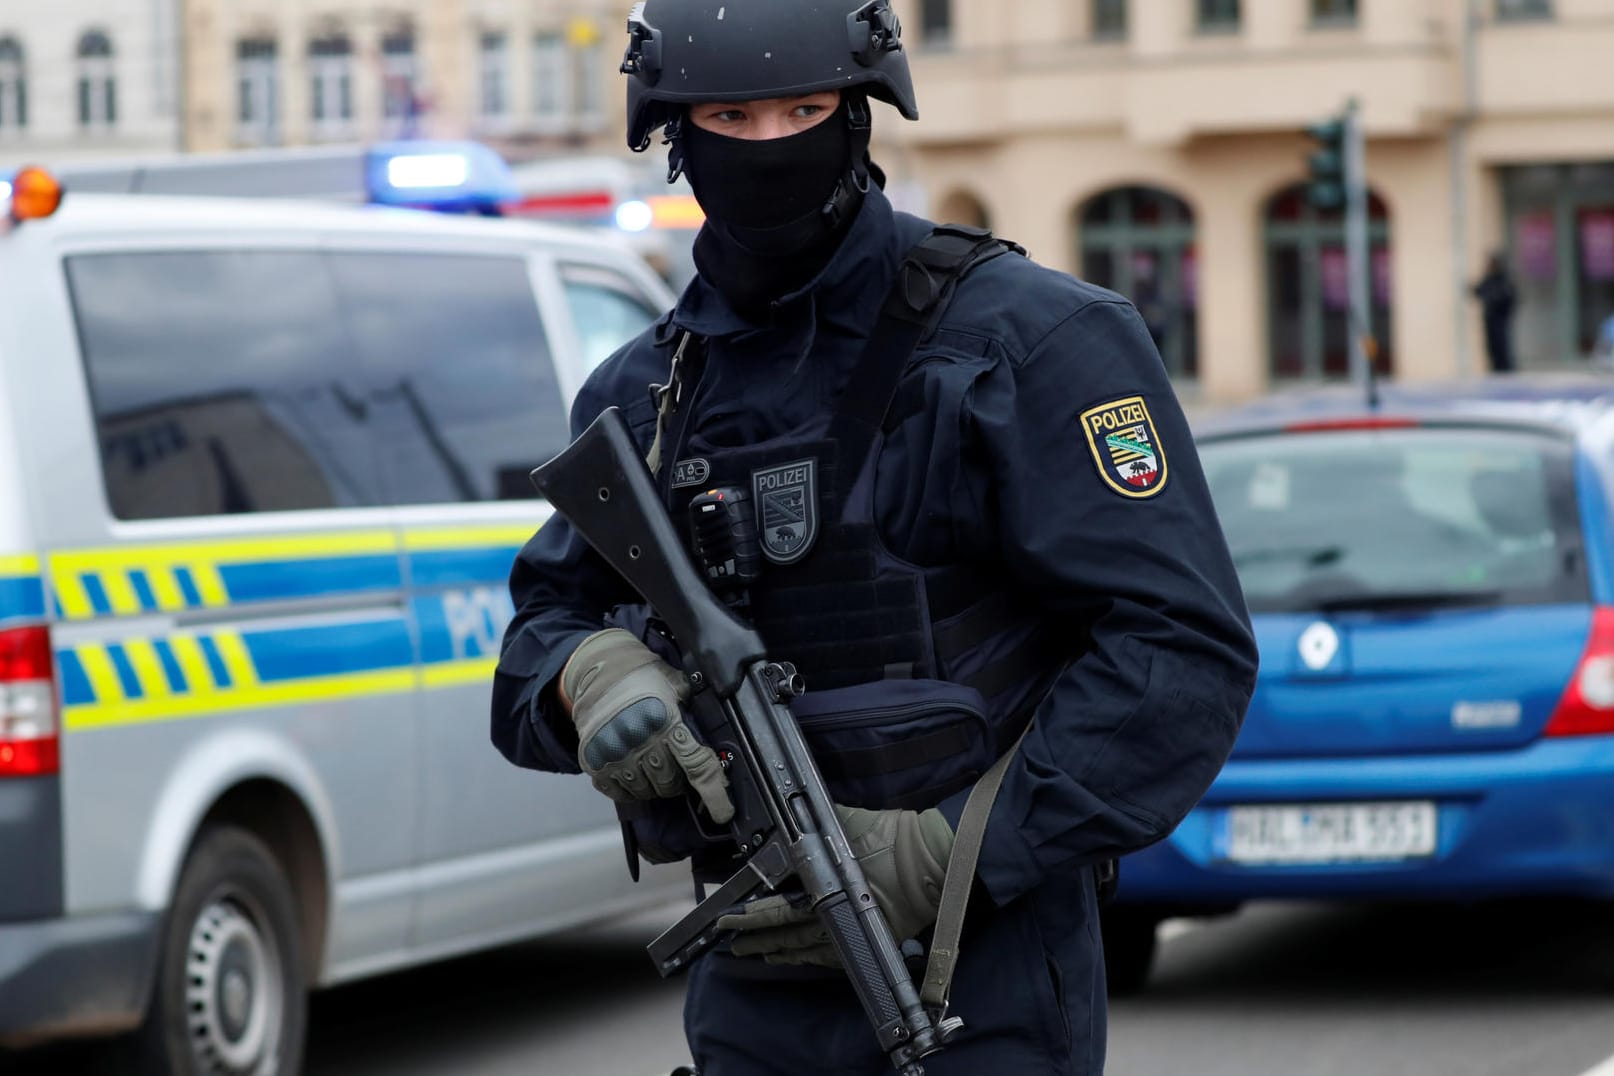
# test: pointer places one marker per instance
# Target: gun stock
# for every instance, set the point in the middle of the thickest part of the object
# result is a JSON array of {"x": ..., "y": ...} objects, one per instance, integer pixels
[{"x": 602, "y": 487}]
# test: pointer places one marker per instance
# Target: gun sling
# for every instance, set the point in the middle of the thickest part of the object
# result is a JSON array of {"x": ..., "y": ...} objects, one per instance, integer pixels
[{"x": 959, "y": 881}]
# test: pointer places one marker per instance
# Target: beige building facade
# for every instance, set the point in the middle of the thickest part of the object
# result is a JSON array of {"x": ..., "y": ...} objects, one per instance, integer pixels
[
  {"x": 1153, "y": 146},
  {"x": 527, "y": 76},
  {"x": 93, "y": 78},
  {"x": 1157, "y": 146}
]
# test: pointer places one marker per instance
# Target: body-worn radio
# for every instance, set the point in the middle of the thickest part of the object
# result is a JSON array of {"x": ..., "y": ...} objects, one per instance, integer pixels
[{"x": 724, "y": 527}]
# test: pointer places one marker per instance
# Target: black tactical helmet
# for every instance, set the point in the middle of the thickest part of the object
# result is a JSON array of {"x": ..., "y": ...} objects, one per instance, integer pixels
[{"x": 684, "y": 51}]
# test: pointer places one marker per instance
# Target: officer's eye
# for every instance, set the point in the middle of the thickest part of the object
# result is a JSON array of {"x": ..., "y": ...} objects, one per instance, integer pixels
[
  {"x": 807, "y": 112},
  {"x": 728, "y": 115}
]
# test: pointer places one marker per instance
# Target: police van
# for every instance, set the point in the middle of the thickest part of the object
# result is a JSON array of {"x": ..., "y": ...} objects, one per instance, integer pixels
[{"x": 263, "y": 471}]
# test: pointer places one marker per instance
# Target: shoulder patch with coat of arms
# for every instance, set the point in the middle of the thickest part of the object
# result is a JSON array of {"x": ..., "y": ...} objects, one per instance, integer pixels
[
  {"x": 1126, "y": 447},
  {"x": 787, "y": 509}
]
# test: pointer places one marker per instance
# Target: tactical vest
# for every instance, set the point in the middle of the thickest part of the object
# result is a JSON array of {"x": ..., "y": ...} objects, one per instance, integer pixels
[{"x": 918, "y": 678}]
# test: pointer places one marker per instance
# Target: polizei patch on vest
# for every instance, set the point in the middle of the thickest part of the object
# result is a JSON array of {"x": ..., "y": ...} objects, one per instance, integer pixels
[
  {"x": 787, "y": 509},
  {"x": 1126, "y": 447},
  {"x": 693, "y": 472}
]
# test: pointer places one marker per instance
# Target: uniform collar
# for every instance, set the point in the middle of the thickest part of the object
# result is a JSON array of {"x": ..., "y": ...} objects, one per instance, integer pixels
[{"x": 852, "y": 284}]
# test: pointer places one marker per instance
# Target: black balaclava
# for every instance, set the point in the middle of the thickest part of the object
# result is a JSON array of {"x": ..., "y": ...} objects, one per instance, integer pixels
[{"x": 775, "y": 209}]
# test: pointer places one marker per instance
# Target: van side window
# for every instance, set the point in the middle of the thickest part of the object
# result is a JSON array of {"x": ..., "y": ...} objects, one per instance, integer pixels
[
  {"x": 466, "y": 400},
  {"x": 607, "y": 310},
  {"x": 221, "y": 383}
]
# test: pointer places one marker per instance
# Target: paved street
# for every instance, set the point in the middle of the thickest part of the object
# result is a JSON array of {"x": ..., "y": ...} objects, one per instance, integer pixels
[{"x": 1517, "y": 990}]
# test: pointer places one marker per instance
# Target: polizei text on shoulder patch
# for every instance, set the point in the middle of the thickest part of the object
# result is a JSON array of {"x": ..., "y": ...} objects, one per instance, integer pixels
[
  {"x": 787, "y": 509},
  {"x": 1126, "y": 447}
]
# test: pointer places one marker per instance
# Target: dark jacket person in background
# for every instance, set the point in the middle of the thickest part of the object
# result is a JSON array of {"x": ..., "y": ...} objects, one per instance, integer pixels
[
  {"x": 1498, "y": 298},
  {"x": 1019, "y": 533}
]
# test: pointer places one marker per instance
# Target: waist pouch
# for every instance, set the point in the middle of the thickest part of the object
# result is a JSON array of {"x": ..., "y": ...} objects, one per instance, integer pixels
[
  {"x": 897, "y": 743},
  {"x": 888, "y": 744}
]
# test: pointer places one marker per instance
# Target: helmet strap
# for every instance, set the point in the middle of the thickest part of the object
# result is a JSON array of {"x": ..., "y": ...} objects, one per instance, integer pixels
[
  {"x": 673, "y": 138},
  {"x": 849, "y": 192}
]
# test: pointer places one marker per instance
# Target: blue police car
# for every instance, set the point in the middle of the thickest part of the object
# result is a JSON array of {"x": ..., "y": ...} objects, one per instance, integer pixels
[{"x": 1431, "y": 582}]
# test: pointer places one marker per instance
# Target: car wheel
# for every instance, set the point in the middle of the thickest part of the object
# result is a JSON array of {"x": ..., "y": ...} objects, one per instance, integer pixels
[
  {"x": 229, "y": 998},
  {"x": 1130, "y": 938}
]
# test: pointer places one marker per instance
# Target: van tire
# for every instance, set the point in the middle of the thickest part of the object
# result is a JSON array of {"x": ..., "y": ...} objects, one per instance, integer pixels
[
  {"x": 230, "y": 997},
  {"x": 1131, "y": 936}
]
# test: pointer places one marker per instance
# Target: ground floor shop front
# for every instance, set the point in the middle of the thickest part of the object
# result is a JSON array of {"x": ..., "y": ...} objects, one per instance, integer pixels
[{"x": 1243, "y": 282}]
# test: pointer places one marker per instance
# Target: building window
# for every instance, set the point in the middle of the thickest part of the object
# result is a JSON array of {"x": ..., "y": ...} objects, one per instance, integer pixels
[
  {"x": 258, "y": 90},
  {"x": 1109, "y": 20},
  {"x": 330, "y": 66},
  {"x": 590, "y": 95},
  {"x": 13, "y": 86},
  {"x": 963, "y": 207},
  {"x": 1308, "y": 287},
  {"x": 1523, "y": 9},
  {"x": 1218, "y": 16},
  {"x": 97, "y": 85},
  {"x": 552, "y": 79},
  {"x": 1139, "y": 241},
  {"x": 494, "y": 67},
  {"x": 936, "y": 23},
  {"x": 400, "y": 81},
  {"x": 1560, "y": 253},
  {"x": 1333, "y": 12}
]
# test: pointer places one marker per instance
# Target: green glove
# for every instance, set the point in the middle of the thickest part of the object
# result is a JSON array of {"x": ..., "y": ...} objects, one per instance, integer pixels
[
  {"x": 627, "y": 705},
  {"x": 904, "y": 857}
]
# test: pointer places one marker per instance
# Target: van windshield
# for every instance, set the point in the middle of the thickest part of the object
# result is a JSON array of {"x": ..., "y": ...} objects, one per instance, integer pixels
[{"x": 1398, "y": 519}]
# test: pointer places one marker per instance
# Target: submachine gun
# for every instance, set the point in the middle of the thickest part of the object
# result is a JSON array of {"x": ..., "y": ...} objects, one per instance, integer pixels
[{"x": 784, "y": 820}]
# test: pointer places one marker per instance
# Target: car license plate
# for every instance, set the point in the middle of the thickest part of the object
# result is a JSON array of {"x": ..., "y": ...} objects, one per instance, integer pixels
[{"x": 1330, "y": 832}]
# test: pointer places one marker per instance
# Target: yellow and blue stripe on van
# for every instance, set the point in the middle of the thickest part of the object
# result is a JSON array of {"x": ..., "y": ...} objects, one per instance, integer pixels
[
  {"x": 22, "y": 591},
  {"x": 458, "y": 601},
  {"x": 129, "y": 580}
]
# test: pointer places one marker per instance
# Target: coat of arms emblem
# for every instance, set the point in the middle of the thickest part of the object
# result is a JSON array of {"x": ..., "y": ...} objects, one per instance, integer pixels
[
  {"x": 1126, "y": 447},
  {"x": 787, "y": 509}
]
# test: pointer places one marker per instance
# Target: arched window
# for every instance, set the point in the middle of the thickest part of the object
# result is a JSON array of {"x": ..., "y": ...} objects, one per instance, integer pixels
[
  {"x": 13, "y": 86},
  {"x": 1560, "y": 254},
  {"x": 258, "y": 89},
  {"x": 1308, "y": 287},
  {"x": 1139, "y": 241},
  {"x": 330, "y": 69},
  {"x": 962, "y": 207},
  {"x": 97, "y": 84}
]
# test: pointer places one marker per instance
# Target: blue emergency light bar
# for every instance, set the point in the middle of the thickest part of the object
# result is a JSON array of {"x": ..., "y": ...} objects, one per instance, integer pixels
[{"x": 450, "y": 177}]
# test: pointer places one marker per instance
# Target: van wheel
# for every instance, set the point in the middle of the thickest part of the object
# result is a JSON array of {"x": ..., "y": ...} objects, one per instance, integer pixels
[
  {"x": 229, "y": 998},
  {"x": 1130, "y": 938}
]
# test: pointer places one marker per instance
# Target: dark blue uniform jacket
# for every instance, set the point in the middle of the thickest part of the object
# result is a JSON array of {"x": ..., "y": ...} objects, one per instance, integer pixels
[{"x": 1000, "y": 468}]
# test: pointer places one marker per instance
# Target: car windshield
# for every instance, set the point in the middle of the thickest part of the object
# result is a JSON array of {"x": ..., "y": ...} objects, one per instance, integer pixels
[{"x": 1398, "y": 519}]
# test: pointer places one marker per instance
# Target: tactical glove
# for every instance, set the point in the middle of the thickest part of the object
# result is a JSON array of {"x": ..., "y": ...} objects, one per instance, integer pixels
[
  {"x": 627, "y": 705},
  {"x": 904, "y": 857}
]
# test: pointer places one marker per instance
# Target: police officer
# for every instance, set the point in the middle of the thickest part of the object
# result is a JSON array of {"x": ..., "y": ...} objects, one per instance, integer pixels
[{"x": 979, "y": 511}]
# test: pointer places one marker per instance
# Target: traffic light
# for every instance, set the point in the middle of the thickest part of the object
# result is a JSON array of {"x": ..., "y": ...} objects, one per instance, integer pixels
[{"x": 1327, "y": 164}]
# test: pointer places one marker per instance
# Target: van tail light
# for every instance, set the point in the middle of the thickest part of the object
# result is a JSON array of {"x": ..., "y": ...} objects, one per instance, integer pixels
[
  {"x": 29, "y": 745},
  {"x": 1587, "y": 705}
]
